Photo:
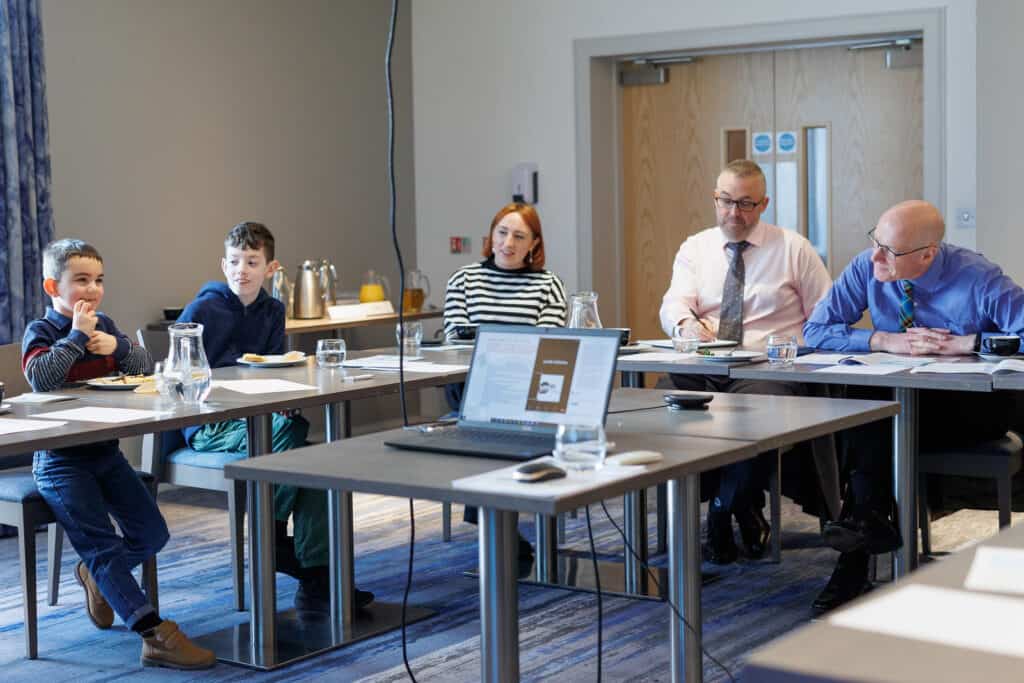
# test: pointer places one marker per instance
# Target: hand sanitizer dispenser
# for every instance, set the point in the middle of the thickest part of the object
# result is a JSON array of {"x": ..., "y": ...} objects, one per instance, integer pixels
[{"x": 524, "y": 183}]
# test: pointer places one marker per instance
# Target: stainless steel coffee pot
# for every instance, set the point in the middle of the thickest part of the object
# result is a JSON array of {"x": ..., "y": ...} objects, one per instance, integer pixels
[
  {"x": 308, "y": 296},
  {"x": 281, "y": 289}
]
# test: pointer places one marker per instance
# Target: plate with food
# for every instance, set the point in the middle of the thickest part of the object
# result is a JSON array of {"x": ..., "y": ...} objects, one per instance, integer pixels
[
  {"x": 256, "y": 360},
  {"x": 119, "y": 382}
]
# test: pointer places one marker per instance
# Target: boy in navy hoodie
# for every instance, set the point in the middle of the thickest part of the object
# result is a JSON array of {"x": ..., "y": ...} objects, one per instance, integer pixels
[
  {"x": 87, "y": 485},
  {"x": 239, "y": 317}
]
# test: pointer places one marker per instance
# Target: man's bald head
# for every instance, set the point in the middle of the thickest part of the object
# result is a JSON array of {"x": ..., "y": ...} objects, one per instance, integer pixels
[{"x": 913, "y": 229}]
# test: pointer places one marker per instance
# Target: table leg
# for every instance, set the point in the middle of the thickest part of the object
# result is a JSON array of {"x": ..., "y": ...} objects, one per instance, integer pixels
[
  {"x": 632, "y": 380},
  {"x": 547, "y": 549},
  {"x": 340, "y": 538},
  {"x": 904, "y": 478},
  {"x": 499, "y": 600},
  {"x": 662, "y": 513},
  {"x": 635, "y": 523},
  {"x": 263, "y": 598},
  {"x": 684, "y": 577}
]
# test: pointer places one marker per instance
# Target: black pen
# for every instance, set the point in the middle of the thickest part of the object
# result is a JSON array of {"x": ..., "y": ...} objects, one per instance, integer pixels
[{"x": 701, "y": 322}]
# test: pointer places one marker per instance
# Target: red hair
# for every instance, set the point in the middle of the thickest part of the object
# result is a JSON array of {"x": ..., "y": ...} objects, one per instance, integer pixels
[{"x": 535, "y": 259}]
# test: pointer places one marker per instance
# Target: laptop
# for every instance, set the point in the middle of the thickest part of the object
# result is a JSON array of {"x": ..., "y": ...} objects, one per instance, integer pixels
[{"x": 523, "y": 382}]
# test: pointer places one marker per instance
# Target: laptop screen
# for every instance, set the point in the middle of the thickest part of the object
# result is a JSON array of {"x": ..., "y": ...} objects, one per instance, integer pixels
[{"x": 535, "y": 378}]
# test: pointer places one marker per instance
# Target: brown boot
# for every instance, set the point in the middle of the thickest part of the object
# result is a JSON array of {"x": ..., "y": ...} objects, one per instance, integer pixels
[
  {"x": 96, "y": 605},
  {"x": 169, "y": 647}
]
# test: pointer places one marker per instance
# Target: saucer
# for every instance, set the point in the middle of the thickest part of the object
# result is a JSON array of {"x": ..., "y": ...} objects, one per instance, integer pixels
[{"x": 994, "y": 358}]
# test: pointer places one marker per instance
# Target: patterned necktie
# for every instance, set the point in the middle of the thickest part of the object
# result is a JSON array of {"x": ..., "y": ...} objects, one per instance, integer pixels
[
  {"x": 731, "y": 324},
  {"x": 907, "y": 305}
]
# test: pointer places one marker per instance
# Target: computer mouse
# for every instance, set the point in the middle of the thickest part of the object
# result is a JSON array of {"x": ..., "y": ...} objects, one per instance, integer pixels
[{"x": 537, "y": 471}]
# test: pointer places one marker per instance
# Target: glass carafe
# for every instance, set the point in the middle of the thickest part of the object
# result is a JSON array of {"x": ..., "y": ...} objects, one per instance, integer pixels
[
  {"x": 583, "y": 310},
  {"x": 374, "y": 288},
  {"x": 417, "y": 289},
  {"x": 187, "y": 372}
]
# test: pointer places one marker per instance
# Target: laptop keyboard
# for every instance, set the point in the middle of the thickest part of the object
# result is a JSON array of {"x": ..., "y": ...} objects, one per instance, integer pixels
[{"x": 503, "y": 437}]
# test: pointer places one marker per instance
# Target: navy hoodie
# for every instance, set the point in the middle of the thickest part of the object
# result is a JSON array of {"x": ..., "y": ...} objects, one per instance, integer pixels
[{"x": 231, "y": 329}]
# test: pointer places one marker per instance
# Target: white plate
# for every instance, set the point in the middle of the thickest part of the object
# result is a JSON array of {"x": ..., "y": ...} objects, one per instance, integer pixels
[
  {"x": 105, "y": 384},
  {"x": 273, "y": 362},
  {"x": 737, "y": 356},
  {"x": 5, "y": 408}
]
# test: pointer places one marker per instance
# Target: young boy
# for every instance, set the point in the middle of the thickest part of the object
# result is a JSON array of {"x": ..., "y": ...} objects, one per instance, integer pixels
[
  {"x": 239, "y": 317},
  {"x": 86, "y": 485}
]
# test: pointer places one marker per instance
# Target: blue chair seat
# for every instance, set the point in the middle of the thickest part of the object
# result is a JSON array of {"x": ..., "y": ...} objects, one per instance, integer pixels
[
  {"x": 212, "y": 461},
  {"x": 18, "y": 487}
]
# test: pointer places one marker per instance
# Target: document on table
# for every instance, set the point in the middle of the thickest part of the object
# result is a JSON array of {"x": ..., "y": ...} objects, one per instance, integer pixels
[
  {"x": 261, "y": 386},
  {"x": 447, "y": 347},
  {"x": 996, "y": 569},
  {"x": 99, "y": 414},
  {"x": 823, "y": 358},
  {"x": 862, "y": 369},
  {"x": 659, "y": 356},
  {"x": 954, "y": 368},
  {"x": 667, "y": 343},
  {"x": 945, "y": 616},
  {"x": 877, "y": 358},
  {"x": 14, "y": 425},
  {"x": 414, "y": 364},
  {"x": 39, "y": 398},
  {"x": 502, "y": 481}
]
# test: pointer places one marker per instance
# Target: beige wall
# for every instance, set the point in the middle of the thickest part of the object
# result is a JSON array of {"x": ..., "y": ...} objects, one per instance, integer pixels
[
  {"x": 172, "y": 121},
  {"x": 1000, "y": 145}
]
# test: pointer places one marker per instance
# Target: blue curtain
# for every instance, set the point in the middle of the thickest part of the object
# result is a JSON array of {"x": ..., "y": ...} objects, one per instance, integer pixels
[{"x": 26, "y": 219}]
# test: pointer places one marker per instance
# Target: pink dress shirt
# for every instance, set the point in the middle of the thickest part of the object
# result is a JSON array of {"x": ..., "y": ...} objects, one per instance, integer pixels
[{"x": 784, "y": 279}]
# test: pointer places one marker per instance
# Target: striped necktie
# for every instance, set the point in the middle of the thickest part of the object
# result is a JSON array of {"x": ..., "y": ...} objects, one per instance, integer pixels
[
  {"x": 730, "y": 325},
  {"x": 907, "y": 305}
]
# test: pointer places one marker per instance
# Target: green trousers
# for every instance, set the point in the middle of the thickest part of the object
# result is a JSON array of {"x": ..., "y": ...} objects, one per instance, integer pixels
[{"x": 308, "y": 507}]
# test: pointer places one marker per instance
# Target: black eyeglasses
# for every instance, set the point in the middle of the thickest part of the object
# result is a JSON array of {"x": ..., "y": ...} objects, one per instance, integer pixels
[
  {"x": 889, "y": 250},
  {"x": 727, "y": 204}
]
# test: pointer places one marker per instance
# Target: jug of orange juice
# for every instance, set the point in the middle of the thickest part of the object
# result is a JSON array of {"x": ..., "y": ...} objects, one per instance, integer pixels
[
  {"x": 417, "y": 289},
  {"x": 374, "y": 288}
]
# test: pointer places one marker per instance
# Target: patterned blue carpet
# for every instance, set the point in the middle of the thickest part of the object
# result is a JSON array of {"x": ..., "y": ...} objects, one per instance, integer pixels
[{"x": 752, "y": 603}]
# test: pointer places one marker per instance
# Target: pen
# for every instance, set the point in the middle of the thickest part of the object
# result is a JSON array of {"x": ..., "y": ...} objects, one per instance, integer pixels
[
  {"x": 701, "y": 322},
  {"x": 356, "y": 378}
]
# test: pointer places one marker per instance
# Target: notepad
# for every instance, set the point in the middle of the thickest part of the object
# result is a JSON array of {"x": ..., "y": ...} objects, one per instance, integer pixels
[
  {"x": 262, "y": 386},
  {"x": 1008, "y": 365},
  {"x": 862, "y": 369},
  {"x": 99, "y": 414},
  {"x": 14, "y": 425},
  {"x": 35, "y": 398}
]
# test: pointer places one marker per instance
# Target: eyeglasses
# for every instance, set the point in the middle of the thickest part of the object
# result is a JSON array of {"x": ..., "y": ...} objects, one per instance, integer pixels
[
  {"x": 745, "y": 205},
  {"x": 889, "y": 250}
]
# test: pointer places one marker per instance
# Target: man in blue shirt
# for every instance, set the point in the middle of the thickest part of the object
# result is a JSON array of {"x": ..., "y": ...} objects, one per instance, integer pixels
[{"x": 925, "y": 297}]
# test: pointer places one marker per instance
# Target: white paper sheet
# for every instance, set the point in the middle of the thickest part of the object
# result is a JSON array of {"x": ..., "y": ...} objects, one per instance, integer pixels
[
  {"x": 99, "y": 414},
  {"x": 862, "y": 369},
  {"x": 667, "y": 343},
  {"x": 956, "y": 368},
  {"x": 881, "y": 358},
  {"x": 945, "y": 616},
  {"x": 261, "y": 386},
  {"x": 38, "y": 398},
  {"x": 659, "y": 356},
  {"x": 822, "y": 358},
  {"x": 996, "y": 569},
  {"x": 501, "y": 481},
  {"x": 447, "y": 347},
  {"x": 416, "y": 364},
  {"x": 14, "y": 425}
]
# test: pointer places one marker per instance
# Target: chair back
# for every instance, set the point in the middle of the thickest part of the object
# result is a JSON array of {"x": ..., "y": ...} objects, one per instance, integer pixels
[
  {"x": 157, "y": 342},
  {"x": 10, "y": 370}
]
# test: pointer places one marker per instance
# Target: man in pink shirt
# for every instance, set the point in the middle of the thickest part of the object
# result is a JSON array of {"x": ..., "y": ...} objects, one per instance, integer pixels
[{"x": 741, "y": 280}]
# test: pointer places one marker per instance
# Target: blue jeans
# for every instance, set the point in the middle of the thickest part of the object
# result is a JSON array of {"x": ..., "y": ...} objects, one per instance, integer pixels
[{"x": 84, "y": 491}]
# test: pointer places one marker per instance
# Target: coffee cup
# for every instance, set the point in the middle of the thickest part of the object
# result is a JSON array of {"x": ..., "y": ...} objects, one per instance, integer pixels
[
  {"x": 466, "y": 332},
  {"x": 624, "y": 333},
  {"x": 1006, "y": 345}
]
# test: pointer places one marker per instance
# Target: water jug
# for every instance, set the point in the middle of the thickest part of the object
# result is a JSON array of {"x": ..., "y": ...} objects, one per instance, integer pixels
[
  {"x": 583, "y": 310},
  {"x": 329, "y": 282},
  {"x": 308, "y": 293},
  {"x": 187, "y": 372},
  {"x": 374, "y": 288}
]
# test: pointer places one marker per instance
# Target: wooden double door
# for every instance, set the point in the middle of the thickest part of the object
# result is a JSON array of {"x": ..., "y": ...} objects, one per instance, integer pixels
[{"x": 839, "y": 135}]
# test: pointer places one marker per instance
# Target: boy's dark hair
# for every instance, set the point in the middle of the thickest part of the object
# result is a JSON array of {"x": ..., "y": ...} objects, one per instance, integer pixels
[
  {"x": 59, "y": 252},
  {"x": 251, "y": 235}
]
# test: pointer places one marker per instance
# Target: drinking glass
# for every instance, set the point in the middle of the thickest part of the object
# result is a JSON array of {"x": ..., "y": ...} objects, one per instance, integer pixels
[
  {"x": 160, "y": 382},
  {"x": 413, "y": 338},
  {"x": 684, "y": 341},
  {"x": 580, "y": 447},
  {"x": 781, "y": 349},
  {"x": 330, "y": 353}
]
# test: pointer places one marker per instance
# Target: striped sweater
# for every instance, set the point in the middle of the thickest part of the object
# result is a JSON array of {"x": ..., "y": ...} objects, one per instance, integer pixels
[{"x": 484, "y": 293}]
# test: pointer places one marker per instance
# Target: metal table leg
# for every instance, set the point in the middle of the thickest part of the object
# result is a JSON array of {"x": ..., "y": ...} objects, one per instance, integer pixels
[
  {"x": 684, "y": 578},
  {"x": 547, "y": 549},
  {"x": 635, "y": 527},
  {"x": 632, "y": 380},
  {"x": 340, "y": 538},
  {"x": 661, "y": 503},
  {"x": 904, "y": 478},
  {"x": 499, "y": 597},
  {"x": 263, "y": 590}
]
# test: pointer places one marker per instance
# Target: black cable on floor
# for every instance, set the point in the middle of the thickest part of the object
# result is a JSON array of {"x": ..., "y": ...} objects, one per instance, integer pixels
[
  {"x": 408, "y": 586},
  {"x": 668, "y": 599},
  {"x": 597, "y": 583}
]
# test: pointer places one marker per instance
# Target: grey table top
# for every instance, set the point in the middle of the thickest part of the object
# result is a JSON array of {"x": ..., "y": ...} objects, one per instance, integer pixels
[
  {"x": 222, "y": 404},
  {"x": 364, "y": 464},
  {"x": 1008, "y": 380},
  {"x": 823, "y": 652},
  {"x": 771, "y": 421},
  {"x": 803, "y": 372},
  {"x": 683, "y": 366}
]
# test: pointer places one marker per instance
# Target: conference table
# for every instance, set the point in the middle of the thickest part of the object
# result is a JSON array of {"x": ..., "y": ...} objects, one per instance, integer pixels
[
  {"x": 869, "y": 640},
  {"x": 364, "y": 464}
]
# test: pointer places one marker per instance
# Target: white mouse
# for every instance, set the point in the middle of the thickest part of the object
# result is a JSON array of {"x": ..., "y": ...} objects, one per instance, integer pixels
[{"x": 635, "y": 458}]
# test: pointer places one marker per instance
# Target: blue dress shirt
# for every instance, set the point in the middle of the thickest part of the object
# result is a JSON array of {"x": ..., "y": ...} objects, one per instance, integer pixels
[{"x": 962, "y": 291}]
